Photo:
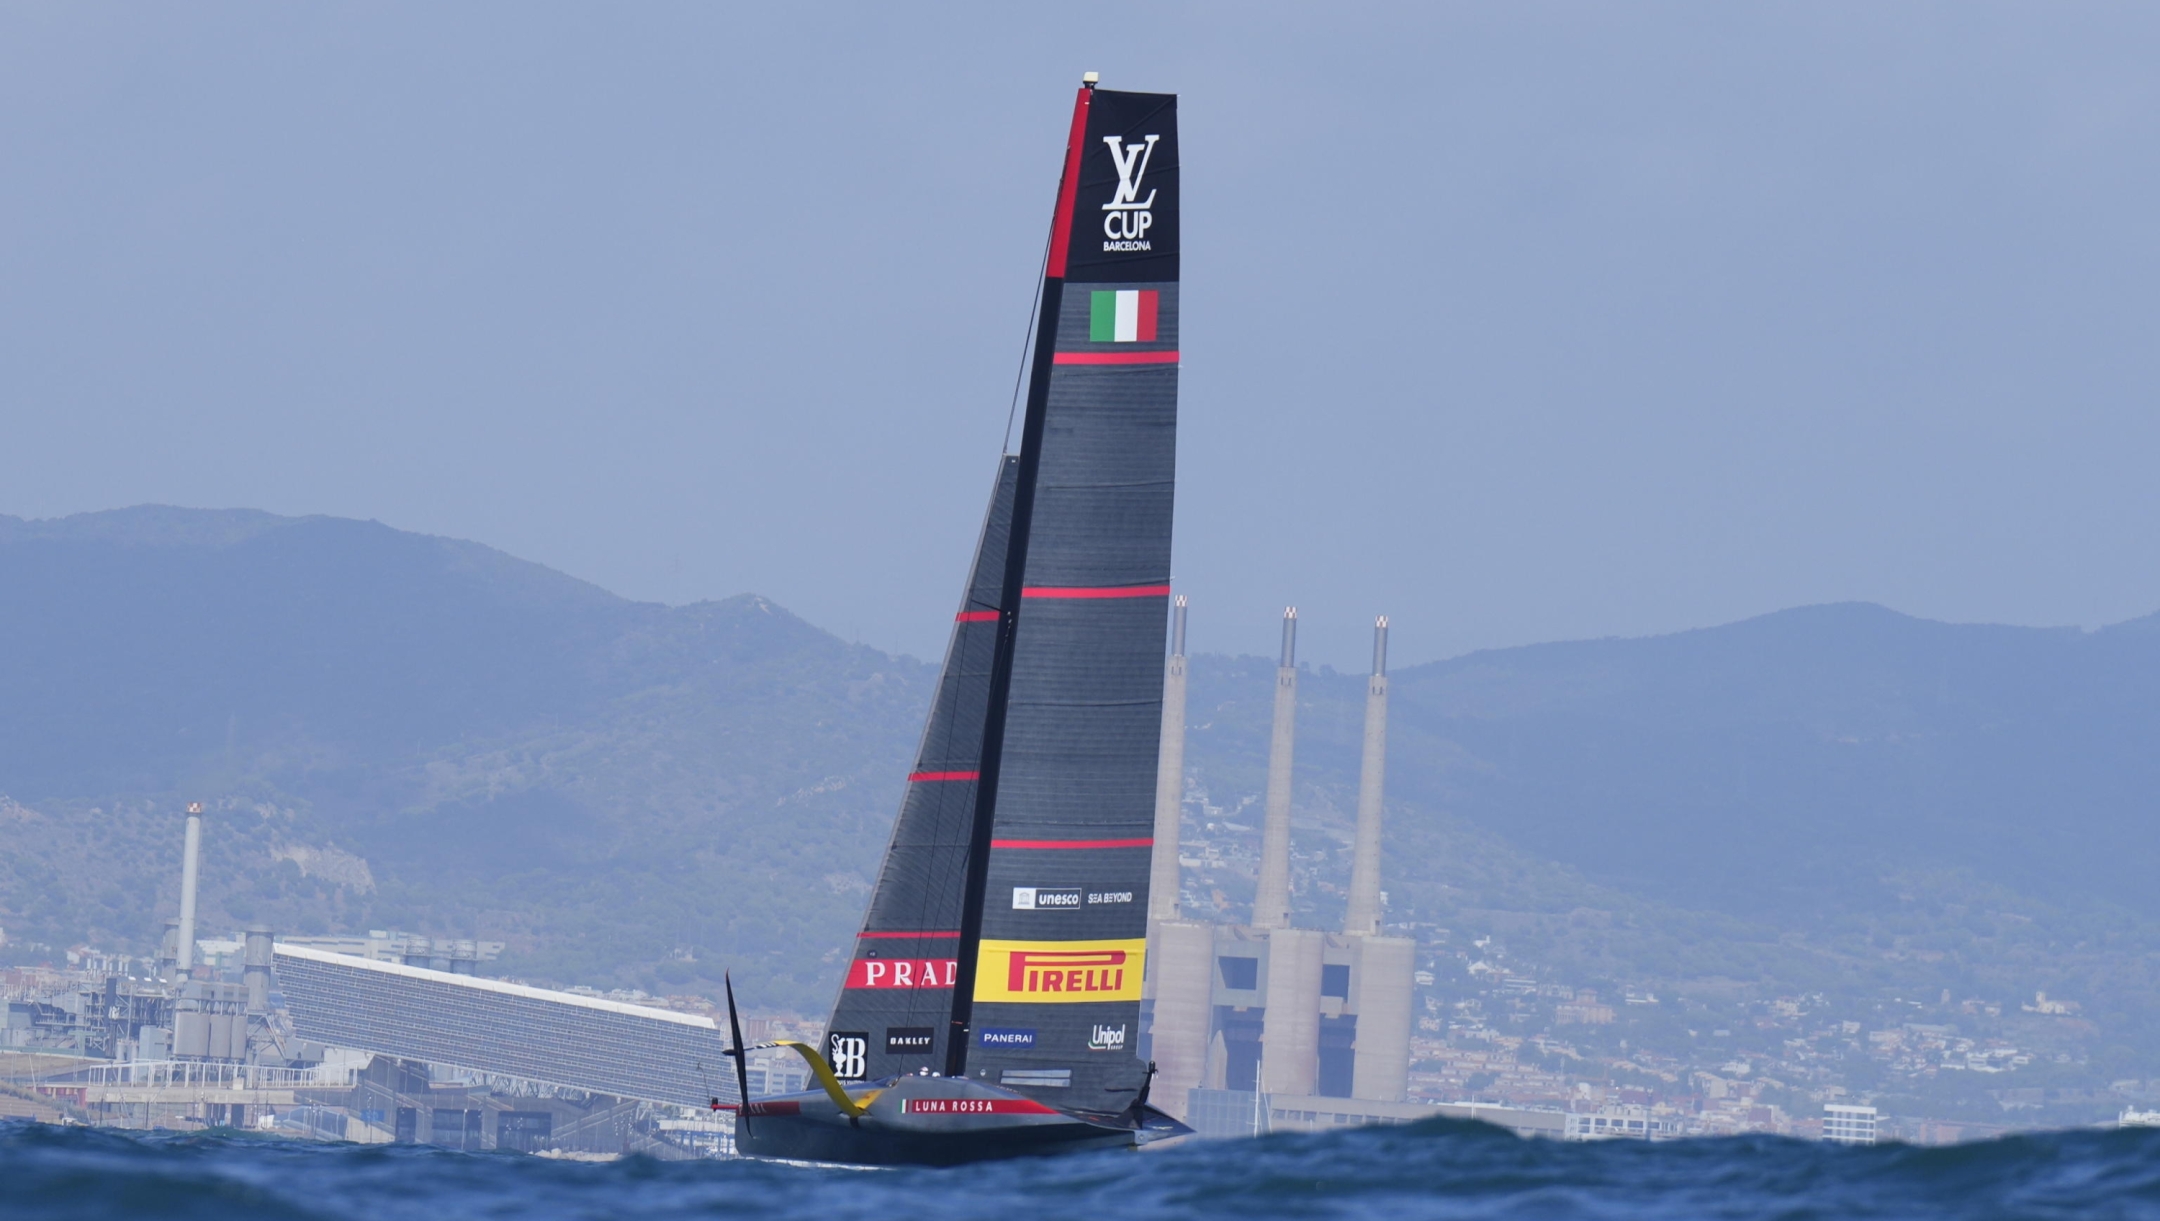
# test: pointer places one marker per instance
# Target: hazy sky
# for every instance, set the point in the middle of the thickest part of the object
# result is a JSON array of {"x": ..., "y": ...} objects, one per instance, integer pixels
[{"x": 1518, "y": 322}]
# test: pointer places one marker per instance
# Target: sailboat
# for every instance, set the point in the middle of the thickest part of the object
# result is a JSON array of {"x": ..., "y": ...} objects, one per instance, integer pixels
[{"x": 992, "y": 1004}]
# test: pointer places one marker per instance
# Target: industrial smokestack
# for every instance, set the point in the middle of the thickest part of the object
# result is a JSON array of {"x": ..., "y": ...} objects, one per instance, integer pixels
[
  {"x": 1363, "y": 916},
  {"x": 1169, "y": 777},
  {"x": 188, "y": 853},
  {"x": 1271, "y": 903},
  {"x": 1177, "y": 1000}
]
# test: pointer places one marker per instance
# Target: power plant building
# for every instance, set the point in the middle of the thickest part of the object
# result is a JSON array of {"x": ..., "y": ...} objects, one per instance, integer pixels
[
  {"x": 1297, "y": 1016},
  {"x": 387, "y": 1037}
]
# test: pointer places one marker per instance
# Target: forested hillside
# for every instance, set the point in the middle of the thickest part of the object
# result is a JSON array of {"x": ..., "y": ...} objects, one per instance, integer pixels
[
  {"x": 395, "y": 730},
  {"x": 392, "y": 729}
]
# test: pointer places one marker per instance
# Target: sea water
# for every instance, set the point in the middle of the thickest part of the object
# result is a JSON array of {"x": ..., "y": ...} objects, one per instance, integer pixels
[{"x": 1439, "y": 1168}]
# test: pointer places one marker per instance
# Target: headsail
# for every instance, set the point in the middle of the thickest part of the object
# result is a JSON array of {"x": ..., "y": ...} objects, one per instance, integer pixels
[
  {"x": 893, "y": 1006},
  {"x": 1055, "y": 922}
]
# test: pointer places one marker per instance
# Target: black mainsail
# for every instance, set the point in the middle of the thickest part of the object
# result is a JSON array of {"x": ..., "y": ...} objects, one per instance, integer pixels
[
  {"x": 993, "y": 996},
  {"x": 1054, "y": 932}
]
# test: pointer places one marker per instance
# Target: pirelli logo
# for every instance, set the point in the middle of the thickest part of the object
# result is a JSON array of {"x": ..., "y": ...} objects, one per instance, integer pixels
[{"x": 1060, "y": 971}]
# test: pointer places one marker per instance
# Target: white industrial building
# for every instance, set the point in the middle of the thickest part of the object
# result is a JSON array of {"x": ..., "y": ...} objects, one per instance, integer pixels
[
  {"x": 1267, "y": 1017},
  {"x": 1848, "y": 1125}
]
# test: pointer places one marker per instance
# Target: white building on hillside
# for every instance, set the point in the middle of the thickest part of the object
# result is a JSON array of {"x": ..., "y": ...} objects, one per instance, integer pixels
[{"x": 1847, "y": 1125}]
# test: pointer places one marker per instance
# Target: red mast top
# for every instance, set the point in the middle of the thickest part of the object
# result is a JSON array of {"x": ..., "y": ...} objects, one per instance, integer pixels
[{"x": 1069, "y": 184}]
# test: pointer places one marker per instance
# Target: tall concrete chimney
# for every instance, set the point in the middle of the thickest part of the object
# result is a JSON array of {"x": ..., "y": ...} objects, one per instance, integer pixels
[
  {"x": 1176, "y": 1000},
  {"x": 1363, "y": 916},
  {"x": 188, "y": 854},
  {"x": 1177, "y": 995},
  {"x": 1169, "y": 778},
  {"x": 1271, "y": 902}
]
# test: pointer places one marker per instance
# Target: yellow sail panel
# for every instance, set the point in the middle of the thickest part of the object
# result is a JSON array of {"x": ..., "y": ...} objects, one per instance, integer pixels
[{"x": 1059, "y": 972}]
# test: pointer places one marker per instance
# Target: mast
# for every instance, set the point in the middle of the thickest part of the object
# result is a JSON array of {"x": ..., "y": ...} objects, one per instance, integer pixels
[{"x": 1026, "y": 476}]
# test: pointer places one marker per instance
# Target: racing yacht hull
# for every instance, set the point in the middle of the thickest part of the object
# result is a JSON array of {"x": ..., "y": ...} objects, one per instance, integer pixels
[{"x": 929, "y": 1121}]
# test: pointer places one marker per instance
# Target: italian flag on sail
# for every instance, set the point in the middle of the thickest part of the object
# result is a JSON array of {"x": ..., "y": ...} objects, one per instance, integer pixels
[{"x": 1126, "y": 316}]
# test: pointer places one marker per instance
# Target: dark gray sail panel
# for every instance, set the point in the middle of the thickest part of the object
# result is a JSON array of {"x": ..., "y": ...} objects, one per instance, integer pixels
[
  {"x": 1055, "y": 1008},
  {"x": 891, "y": 1015},
  {"x": 1072, "y": 732},
  {"x": 1076, "y": 794}
]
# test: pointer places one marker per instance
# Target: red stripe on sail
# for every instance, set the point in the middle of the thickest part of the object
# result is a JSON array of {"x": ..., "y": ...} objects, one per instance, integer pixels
[
  {"x": 1145, "y": 332},
  {"x": 888, "y": 936},
  {"x": 1114, "y": 358},
  {"x": 1072, "y": 843},
  {"x": 1095, "y": 591},
  {"x": 915, "y": 776},
  {"x": 1068, "y": 186},
  {"x": 975, "y": 617}
]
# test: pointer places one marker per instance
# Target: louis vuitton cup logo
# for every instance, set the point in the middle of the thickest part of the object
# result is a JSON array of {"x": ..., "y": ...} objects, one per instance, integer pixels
[{"x": 1127, "y": 216}]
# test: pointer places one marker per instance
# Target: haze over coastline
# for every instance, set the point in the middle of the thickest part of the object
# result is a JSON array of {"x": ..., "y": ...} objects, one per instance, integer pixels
[
  {"x": 1858, "y": 815},
  {"x": 1542, "y": 323}
]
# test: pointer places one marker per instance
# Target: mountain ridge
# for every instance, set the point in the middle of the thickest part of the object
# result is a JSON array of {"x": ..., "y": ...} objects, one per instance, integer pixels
[{"x": 396, "y": 729}]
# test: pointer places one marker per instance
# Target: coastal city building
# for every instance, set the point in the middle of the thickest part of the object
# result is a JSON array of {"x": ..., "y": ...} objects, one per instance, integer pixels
[
  {"x": 1848, "y": 1125},
  {"x": 1254, "y": 1027},
  {"x": 387, "y": 1038}
]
